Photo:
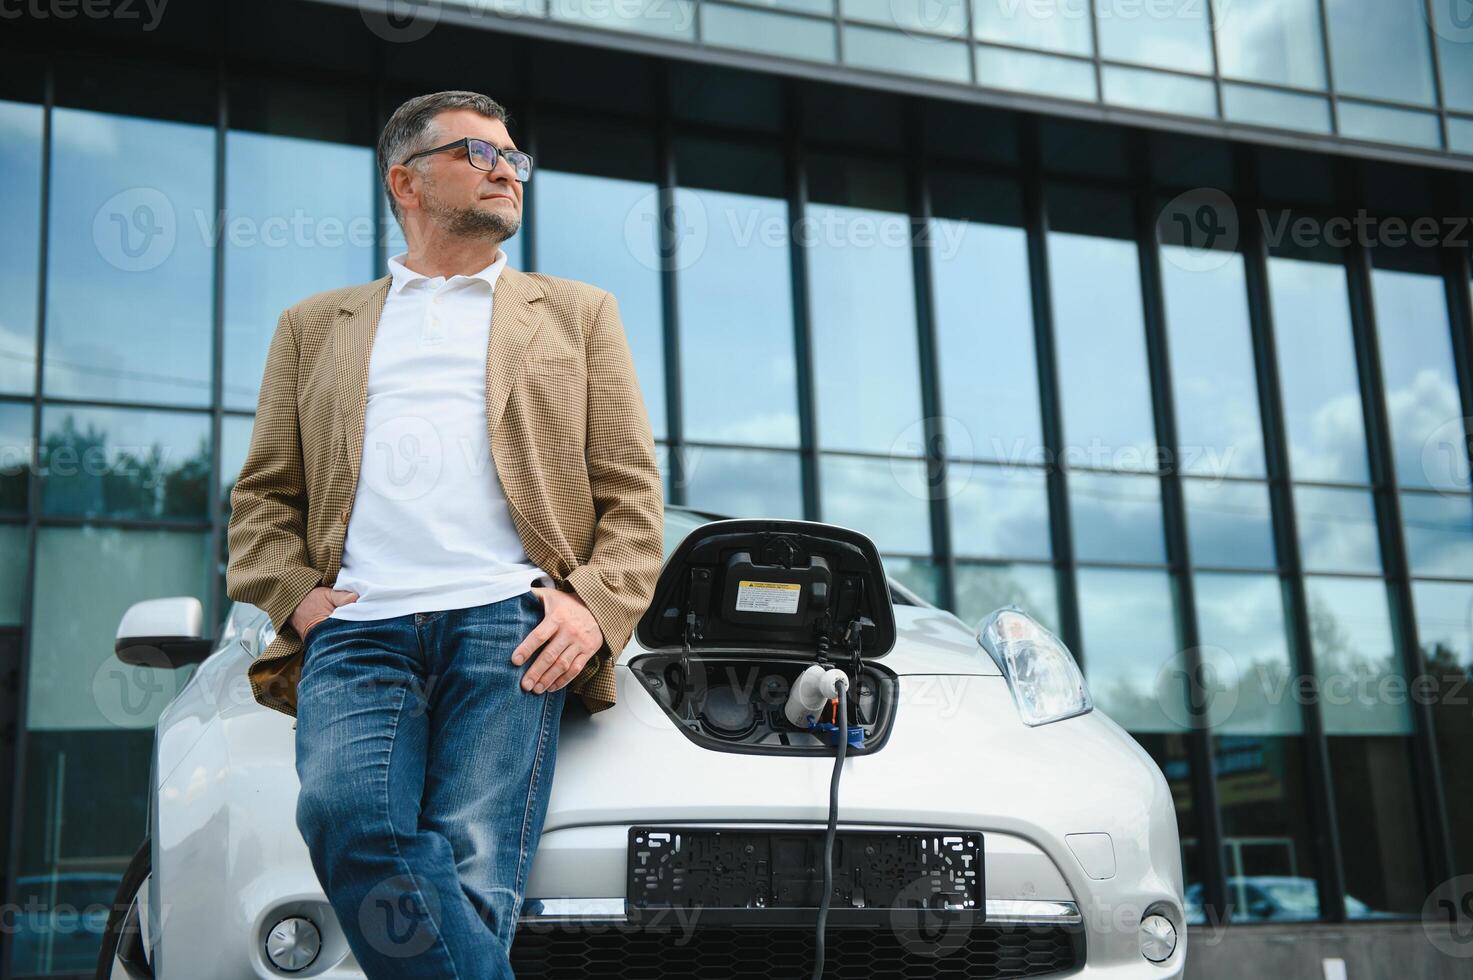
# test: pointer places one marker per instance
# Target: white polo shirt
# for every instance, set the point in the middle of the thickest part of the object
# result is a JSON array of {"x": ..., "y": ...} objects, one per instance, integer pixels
[{"x": 430, "y": 527}]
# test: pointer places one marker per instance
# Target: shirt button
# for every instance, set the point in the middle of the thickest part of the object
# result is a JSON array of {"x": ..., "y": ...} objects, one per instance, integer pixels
[{"x": 345, "y": 517}]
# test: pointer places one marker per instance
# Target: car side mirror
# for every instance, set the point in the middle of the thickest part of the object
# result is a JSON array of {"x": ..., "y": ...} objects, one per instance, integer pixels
[{"x": 165, "y": 633}]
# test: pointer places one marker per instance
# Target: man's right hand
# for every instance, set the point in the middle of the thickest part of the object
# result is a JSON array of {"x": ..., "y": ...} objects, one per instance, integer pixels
[{"x": 316, "y": 606}]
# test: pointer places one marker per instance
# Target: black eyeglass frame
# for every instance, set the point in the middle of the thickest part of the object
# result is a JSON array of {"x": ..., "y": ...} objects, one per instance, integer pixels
[{"x": 465, "y": 141}]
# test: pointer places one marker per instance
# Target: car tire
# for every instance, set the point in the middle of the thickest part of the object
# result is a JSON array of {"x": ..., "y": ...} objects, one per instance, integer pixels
[{"x": 123, "y": 956}]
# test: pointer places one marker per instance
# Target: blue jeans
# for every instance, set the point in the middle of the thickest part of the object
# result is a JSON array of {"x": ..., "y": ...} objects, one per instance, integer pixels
[{"x": 425, "y": 771}]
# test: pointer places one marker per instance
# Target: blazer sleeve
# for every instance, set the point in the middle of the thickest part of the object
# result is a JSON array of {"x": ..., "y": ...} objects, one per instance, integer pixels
[
  {"x": 618, "y": 580},
  {"x": 267, "y": 533}
]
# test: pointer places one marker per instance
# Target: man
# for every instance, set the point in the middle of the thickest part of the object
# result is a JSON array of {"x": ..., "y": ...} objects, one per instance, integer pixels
[{"x": 452, "y": 513}]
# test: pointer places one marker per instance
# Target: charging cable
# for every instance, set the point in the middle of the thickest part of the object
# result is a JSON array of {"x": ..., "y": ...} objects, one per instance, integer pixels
[{"x": 842, "y": 742}]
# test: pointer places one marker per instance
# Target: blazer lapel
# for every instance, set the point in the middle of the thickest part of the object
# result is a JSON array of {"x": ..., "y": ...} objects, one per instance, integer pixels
[
  {"x": 352, "y": 344},
  {"x": 514, "y": 325}
]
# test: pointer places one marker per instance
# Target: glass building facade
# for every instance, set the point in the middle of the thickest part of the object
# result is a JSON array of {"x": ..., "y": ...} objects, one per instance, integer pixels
[{"x": 1139, "y": 383}]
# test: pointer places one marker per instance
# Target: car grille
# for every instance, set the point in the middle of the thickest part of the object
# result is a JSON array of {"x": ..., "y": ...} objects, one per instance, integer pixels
[{"x": 759, "y": 953}]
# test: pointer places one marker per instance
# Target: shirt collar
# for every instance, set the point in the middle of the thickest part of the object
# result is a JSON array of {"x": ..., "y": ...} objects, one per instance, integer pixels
[{"x": 403, "y": 275}]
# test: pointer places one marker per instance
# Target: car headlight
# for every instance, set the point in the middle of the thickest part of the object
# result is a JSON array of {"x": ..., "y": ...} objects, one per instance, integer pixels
[{"x": 1046, "y": 683}]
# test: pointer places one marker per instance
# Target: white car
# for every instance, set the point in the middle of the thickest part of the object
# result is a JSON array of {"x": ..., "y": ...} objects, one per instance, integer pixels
[{"x": 988, "y": 821}]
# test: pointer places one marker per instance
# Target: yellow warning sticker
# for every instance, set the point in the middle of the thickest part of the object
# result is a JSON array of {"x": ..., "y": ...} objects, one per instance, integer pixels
[{"x": 768, "y": 597}]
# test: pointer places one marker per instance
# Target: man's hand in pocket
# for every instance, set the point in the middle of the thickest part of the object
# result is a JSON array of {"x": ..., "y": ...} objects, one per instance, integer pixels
[
  {"x": 568, "y": 635},
  {"x": 316, "y": 606}
]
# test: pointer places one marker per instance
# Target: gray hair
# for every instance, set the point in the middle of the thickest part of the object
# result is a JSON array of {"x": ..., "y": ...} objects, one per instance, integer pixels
[{"x": 412, "y": 128}]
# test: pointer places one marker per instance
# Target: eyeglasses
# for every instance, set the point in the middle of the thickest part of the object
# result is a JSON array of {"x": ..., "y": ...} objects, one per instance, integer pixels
[{"x": 482, "y": 155}]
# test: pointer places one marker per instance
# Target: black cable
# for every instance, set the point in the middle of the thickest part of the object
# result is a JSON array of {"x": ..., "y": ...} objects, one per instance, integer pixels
[{"x": 842, "y": 721}]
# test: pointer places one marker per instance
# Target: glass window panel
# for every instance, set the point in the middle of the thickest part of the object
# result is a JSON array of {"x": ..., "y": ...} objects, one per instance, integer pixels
[
  {"x": 130, "y": 267},
  {"x": 1439, "y": 534},
  {"x": 1362, "y": 686},
  {"x": 1219, "y": 430},
  {"x": 921, "y": 576},
  {"x": 886, "y": 499},
  {"x": 983, "y": 588},
  {"x": 15, "y": 456},
  {"x": 1245, "y": 653},
  {"x": 13, "y": 558},
  {"x": 1039, "y": 74},
  {"x": 1269, "y": 848},
  {"x": 1453, "y": 28},
  {"x": 75, "y": 681},
  {"x": 1116, "y": 517},
  {"x": 1266, "y": 107},
  {"x": 744, "y": 482},
  {"x": 907, "y": 54},
  {"x": 1128, "y": 618},
  {"x": 1317, "y": 371},
  {"x": 1158, "y": 91},
  {"x": 1385, "y": 125},
  {"x": 667, "y": 18},
  {"x": 604, "y": 230},
  {"x": 74, "y": 849},
  {"x": 1445, "y": 631},
  {"x": 1103, "y": 377},
  {"x": 1051, "y": 26},
  {"x": 768, "y": 32},
  {"x": 104, "y": 462},
  {"x": 1379, "y": 48},
  {"x": 235, "y": 442},
  {"x": 947, "y": 19},
  {"x": 1167, "y": 33},
  {"x": 1375, "y": 803},
  {"x": 867, "y": 367},
  {"x": 738, "y": 369},
  {"x": 1271, "y": 41},
  {"x": 299, "y": 219},
  {"x": 1229, "y": 524},
  {"x": 984, "y": 334},
  {"x": 1337, "y": 530},
  {"x": 1422, "y": 401},
  {"x": 998, "y": 512},
  {"x": 1460, "y": 135},
  {"x": 20, "y": 239}
]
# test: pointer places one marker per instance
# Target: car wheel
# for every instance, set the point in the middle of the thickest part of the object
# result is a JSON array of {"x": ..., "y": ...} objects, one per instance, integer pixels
[{"x": 123, "y": 955}]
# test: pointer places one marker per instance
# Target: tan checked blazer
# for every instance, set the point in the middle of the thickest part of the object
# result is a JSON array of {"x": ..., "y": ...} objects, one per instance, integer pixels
[{"x": 570, "y": 439}]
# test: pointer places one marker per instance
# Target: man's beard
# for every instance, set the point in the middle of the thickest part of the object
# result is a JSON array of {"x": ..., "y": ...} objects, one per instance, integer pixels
[{"x": 470, "y": 222}]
